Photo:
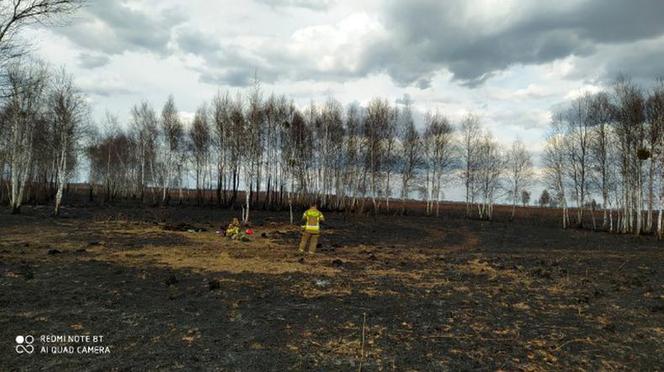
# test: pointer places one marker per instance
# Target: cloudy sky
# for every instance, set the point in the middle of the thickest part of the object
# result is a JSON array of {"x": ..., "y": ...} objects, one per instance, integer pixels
[{"x": 510, "y": 61}]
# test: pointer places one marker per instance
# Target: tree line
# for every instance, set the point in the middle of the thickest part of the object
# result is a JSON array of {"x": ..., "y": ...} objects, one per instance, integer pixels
[
  {"x": 261, "y": 149},
  {"x": 272, "y": 154},
  {"x": 610, "y": 145},
  {"x": 265, "y": 152},
  {"x": 257, "y": 151}
]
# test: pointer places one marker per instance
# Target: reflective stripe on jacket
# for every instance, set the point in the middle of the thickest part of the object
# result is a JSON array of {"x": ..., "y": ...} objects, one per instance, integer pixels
[
  {"x": 312, "y": 218},
  {"x": 232, "y": 230}
]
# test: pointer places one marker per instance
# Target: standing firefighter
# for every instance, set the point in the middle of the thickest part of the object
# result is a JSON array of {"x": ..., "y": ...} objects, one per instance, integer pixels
[{"x": 311, "y": 230}]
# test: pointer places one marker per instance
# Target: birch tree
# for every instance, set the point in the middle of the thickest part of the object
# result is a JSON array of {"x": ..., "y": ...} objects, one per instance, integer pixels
[
  {"x": 172, "y": 133},
  {"x": 235, "y": 144},
  {"x": 519, "y": 171},
  {"x": 144, "y": 126},
  {"x": 630, "y": 130},
  {"x": 253, "y": 150},
  {"x": 490, "y": 166},
  {"x": 331, "y": 142},
  {"x": 437, "y": 140},
  {"x": 411, "y": 157},
  {"x": 578, "y": 127},
  {"x": 199, "y": 137},
  {"x": 353, "y": 153},
  {"x": 470, "y": 136},
  {"x": 24, "y": 115},
  {"x": 113, "y": 160},
  {"x": 221, "y": 128},
  {"x": 67, "y": 112},
  {"x": 378, "y": 115},
  {"x": 655, "y": 119},
  {"x": 555, "y": 168},
  {"x": 601, "y": 149},
  {"x": 390, "y": 158}
]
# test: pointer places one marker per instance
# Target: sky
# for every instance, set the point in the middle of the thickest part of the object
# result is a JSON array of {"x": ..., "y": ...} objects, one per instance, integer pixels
[{"x": 511, "y": 62}]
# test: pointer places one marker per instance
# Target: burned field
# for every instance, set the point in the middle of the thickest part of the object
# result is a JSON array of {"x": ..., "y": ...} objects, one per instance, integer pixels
[{"x": 386, "y": 293}]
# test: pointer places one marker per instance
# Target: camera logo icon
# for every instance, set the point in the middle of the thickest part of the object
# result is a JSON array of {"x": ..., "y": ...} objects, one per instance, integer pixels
[{"x": 24, "y": 344}]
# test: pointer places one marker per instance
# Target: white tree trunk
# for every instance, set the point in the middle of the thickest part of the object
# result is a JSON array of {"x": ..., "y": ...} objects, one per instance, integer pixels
[
  {"x": 246, "y": 200},
  {"x": 659, "y": 224},
  {"x": 62, "y": 177}
]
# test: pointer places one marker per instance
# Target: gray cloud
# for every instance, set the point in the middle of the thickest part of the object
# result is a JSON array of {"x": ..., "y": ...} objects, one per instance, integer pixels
[
  {"x": 318, "y": 5},
  {"x": 422, "y": 38},
  {"x": 232, "y": 64},
  {"x": 90, "y": 61},
  {"x": 109, "y": 27},
  {"x": 195, "y": 42},
  {"x": 640, "y": 61},
  {"x": 226, "y": 64},
  {"x": 234, "y": 77},
  {"x": 107, "y": 91},
  {"x": 429, "y": 35},
  {"x": 527, "y": 119}
]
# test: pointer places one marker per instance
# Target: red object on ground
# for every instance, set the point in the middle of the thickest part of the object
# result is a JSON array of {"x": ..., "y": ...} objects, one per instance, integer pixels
[{"x": 249, "y": 231}]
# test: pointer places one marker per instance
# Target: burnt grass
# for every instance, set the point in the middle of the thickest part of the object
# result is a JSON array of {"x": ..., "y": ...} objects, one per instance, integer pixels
[{"x": 428, "y": 293}]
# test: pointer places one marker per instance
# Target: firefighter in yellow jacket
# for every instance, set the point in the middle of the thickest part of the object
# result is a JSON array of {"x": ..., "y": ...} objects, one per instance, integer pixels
[{"x": 311, "y": 229}]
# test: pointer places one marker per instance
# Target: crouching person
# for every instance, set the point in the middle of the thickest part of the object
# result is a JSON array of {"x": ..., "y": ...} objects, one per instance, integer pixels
[
  {"x": 311, "y": 230},
  {"x": 233, "y": 229}
]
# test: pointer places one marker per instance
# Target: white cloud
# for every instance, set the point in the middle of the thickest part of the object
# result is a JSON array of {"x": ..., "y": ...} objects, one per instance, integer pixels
[
  {"x": 583, "y": 90},
  {"x": 531, "y": 58},
  {"x": 336, "y": 47}
]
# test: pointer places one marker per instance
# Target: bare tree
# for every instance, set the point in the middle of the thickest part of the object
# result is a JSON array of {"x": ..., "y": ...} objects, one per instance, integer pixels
[
  {"x": 490, "y": 166},
  {"x": 578, "y": 125},
  {"x": 519, "y": 171},
  {"x": 601, "y": 149},
  {"x": 113, "y": 160},
  {"x": 235, "y": 144},
  {"x": 378, "y": 116},
  {"x": 4, "y": 150},
  {"x": 437, "y": 141},
  {"x": 253, "y": 149},
  {"x": 390, "y": 161},
  {"x": 411, "y": 157},
  {"x": 145, "y": 130},
  {"x": 470, "y": 136},
  {"x": 287, "y": 150},
  {"x": 24, "y": 115},
  {"x": 654, "y": 116},
  {"x": 353, "y": 153},
  {"x": 328, "y": 136},
  {"x": 171, "y": 142},
  {"x": 631, "y": 132},
  {"x": 299, "y": 154},
  {"x": 555, "y": 167},
  {"x": 331, "y": 141},
  {"x": 200, "y": 140},
  {"x": 271, "y": 114},
  {"x": 68, "y": 110},
  {"x": 283, "y": 117},
  {"x": 16, "y": 14},
  {"x": 221, "y": 128}
]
